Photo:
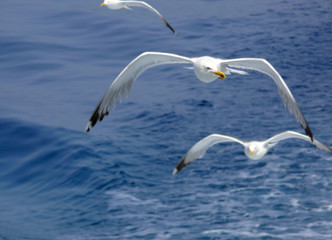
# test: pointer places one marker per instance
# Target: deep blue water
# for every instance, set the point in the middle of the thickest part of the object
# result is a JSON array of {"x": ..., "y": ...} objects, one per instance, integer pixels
[{"x": 57, "y": 58}]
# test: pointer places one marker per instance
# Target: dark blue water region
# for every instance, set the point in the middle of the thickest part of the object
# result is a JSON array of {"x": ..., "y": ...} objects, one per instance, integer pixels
[{"x": 60, "y": 184}]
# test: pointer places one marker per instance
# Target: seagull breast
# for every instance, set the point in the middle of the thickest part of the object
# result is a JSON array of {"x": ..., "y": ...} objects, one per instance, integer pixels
[
  {"x": 204, "y": 68},
  {"x": 255, "y": 150}
]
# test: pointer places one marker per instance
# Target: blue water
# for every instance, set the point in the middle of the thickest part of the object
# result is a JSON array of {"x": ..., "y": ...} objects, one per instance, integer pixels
[{"x": 57, "y": 59}]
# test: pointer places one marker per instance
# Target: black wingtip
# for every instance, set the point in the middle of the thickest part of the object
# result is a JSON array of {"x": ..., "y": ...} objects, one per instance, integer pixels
[
  {"x": 170, "y": 27},
  {"x": 309, "y": 133},
  {"x": 180, "y": 165},
  {"x": 329, "y": 149},
  {"x": 94, "y": 118}
]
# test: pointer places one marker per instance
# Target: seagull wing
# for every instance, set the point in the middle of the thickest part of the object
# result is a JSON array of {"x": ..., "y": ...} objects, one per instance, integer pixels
[
  {"x": 147, "y": 6},
  {"x": 263, "y": 66},
  {"x": 290, "y": 134},
  {"x": 121, "y": 86},
  {"x": 199, "y": 149}
]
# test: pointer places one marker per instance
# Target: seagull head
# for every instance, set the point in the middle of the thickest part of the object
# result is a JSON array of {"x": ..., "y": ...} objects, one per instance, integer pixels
[
  {"x": 217, "y": 72},
  {"x": 106, "y": 3},
  {"x": 255, "y": 150},
  {"x": 207, "y": 69}
]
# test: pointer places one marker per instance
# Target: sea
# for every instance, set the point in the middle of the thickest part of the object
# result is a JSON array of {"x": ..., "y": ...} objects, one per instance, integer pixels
[{"x": 57, "y": 182}]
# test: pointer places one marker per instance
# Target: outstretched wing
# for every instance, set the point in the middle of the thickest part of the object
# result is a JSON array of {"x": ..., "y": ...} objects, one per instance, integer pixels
[
  {"x": 147, "y": 6},
  {"x": 263, "y": 66},
  {"x": 290, "y": 134},
  {"x": 121, "y": 86},
  {"x": 199, "y": 149}
]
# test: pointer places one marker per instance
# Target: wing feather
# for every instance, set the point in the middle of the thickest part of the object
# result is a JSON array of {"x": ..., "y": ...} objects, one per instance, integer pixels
[
  {"x": 263, "y": 66},
  {"x": 122, "y": 85},
  {"x": 199, "y": 149},
  {"x": 149, "y": 7},
  {"x": 290, "y": 134}
]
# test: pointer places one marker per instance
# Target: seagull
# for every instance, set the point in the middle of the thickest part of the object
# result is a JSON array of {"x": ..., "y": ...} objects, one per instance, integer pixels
[
  {"x": 207, "y": 69},
  {"x": 254, "y": 150},
  {"x": 116, "y": 5}
]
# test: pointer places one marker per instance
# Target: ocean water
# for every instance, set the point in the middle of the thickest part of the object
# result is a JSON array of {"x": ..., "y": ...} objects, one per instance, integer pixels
[{"x": 57, "y": 58}]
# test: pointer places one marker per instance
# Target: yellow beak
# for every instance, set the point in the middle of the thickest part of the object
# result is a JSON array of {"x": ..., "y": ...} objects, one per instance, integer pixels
[
  {"x": 251, "y": 152},
  {"x": 103, "y": 4},
  {"x": 220, "y": 74}
]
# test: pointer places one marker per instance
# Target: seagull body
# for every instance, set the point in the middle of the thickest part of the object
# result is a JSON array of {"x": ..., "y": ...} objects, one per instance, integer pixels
[
  {"x": 116, "y": 5},
  {"x": 207, "y": 69},
  {"x": 254, "y": 150}
]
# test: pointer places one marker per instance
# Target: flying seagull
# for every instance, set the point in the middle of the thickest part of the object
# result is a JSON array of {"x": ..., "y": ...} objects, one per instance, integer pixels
[
  {"x": 254, "y": 150},
  {"x": 116, "y": 5},
  {"x": 207, "y": 69}
]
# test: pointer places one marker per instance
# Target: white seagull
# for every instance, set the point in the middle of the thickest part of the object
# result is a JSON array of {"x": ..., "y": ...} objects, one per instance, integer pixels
[
  {"x": 207, "y": 69},
  {"x": 254, "y": 150},
  {"x": 116, "y": 5}
]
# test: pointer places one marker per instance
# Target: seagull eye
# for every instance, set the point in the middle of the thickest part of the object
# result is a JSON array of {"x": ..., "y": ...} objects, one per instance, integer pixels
[{"x": 208, "y": 68}]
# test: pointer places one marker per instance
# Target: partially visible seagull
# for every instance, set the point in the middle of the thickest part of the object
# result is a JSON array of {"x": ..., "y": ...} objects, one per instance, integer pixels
[
  {"x": 254, "y": 150},
  {"x": 116, "y": 4},
  {"x": 207, "y": 69}
]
